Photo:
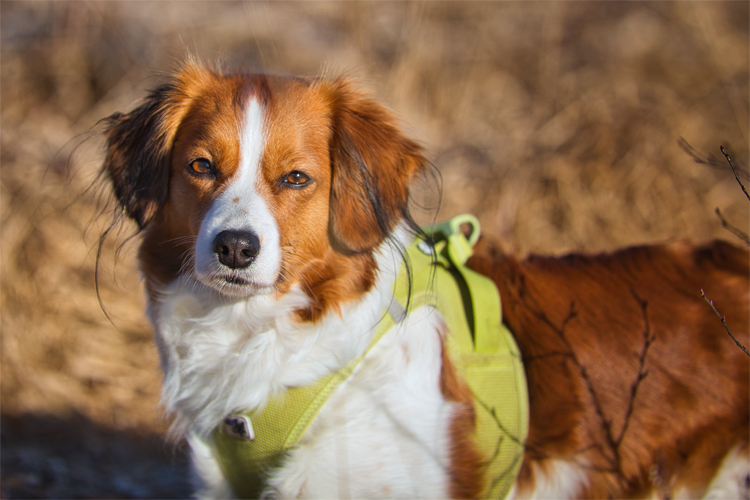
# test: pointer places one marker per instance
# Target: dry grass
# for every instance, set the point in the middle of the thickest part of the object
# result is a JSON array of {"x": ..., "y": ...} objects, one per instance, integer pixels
[{"x": 556, "y": 123}]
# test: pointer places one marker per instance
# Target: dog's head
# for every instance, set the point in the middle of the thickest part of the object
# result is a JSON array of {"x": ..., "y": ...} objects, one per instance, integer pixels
[{"x": 255, "y": 183}]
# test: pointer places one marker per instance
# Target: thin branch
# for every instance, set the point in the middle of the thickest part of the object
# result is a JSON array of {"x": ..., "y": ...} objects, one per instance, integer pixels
[
  {"x": 734, "y": 230},
  {"x": 699, "y": 158},
  {"x": 648, "y": 339},
  {"x": 734, "y": 170},
  {"x": 724, "y": 322},
  {"x": 613, "y": 458},
  {"x": 610, "y": 448}
]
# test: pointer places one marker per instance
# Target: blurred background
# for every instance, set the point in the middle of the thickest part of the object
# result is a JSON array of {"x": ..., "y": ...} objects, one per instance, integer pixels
[{"x": 557, "y": 123}]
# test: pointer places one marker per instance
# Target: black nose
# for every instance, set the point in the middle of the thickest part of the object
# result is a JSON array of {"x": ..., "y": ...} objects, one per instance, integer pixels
[{"x": 236, "y": 249}]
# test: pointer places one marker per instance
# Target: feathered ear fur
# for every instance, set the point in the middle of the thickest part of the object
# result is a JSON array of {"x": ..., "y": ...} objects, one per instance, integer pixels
[
  {"x": 372, "y": 165},
  {"x": 139, "y": 144}
]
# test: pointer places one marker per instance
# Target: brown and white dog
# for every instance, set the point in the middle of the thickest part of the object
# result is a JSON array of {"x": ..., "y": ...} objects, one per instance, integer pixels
[{"x": 273, "y": 211}]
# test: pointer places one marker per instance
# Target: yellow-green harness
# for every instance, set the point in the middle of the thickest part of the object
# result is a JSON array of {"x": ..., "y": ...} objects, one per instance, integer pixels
[{"x": 480, "y": 346}]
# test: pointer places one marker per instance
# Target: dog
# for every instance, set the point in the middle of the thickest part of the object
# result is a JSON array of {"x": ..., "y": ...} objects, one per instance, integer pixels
[{"x": 273, "y": 216}]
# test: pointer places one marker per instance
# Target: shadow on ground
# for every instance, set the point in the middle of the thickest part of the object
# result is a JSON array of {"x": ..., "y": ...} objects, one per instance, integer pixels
[{"x": 51, "y": 457}]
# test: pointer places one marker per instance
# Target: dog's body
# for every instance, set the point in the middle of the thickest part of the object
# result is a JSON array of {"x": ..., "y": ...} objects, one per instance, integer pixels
[
  {"x": 274, "y": 214},
  {"x": 629, "y": 374}
]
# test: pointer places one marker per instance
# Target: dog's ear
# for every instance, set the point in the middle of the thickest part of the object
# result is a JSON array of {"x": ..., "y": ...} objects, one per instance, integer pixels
[
  {"x": 372, "y": 165},
  {"x": 139, "y": 144}
]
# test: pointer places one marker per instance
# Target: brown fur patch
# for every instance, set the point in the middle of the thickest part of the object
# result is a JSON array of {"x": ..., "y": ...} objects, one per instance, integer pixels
[
  {"x": 629, "y": 371},
  {"x": 373, "y": 165}
]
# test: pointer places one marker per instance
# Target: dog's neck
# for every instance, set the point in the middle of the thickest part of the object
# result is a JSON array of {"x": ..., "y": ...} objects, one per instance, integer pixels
[{"x": 221, "y": 355}]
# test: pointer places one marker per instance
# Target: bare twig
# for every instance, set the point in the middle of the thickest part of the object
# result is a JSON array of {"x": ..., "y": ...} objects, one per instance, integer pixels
[
  {"x": 648, "y": 339},
  {"x": 732, "y": 229},
  {"x": 734, "y": 170},
  {"x": 611, "y": 454},
  {"x": 724, "y": 322},
  {"x": 716, "y": 163},
  {"x": 610, "y": 448},
  {"x": 699, "y": 158},
  {"x": 713, "y": 161}
]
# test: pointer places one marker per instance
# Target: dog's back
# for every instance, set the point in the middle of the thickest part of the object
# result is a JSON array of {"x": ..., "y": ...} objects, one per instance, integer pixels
[{"x": 635, "y": 386}]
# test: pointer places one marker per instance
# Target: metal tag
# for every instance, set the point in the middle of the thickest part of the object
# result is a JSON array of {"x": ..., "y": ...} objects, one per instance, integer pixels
[{"x": 239, "y": 427}]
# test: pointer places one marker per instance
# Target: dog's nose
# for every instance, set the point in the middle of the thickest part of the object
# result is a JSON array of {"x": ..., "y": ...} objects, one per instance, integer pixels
[{"x": 236, "y": 249}]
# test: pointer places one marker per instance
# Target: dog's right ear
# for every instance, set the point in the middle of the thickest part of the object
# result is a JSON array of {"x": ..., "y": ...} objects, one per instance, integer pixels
[{"x": 139, "y": 145}]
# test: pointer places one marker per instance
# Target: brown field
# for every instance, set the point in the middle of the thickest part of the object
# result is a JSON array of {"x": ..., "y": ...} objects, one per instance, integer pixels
[{"x": 557, "y": 123}]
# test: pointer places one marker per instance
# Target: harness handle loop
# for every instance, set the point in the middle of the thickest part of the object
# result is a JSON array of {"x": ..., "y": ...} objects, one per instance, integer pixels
[{"x": 460, "y": 246}]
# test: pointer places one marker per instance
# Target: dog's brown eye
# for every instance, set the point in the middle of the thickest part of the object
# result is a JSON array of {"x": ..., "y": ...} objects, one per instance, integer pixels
[
  {"x": 296, "y": 179},
  {"x": 201, "y": 166}
]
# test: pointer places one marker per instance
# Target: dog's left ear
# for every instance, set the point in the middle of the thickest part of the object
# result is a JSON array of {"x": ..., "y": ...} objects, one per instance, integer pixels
[{"x": 373, "y": 164}]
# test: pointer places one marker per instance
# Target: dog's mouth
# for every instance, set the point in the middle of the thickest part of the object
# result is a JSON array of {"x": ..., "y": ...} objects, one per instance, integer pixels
[
  {"x": 232, "y": 285},
  {"x": 236, "y": 280}
]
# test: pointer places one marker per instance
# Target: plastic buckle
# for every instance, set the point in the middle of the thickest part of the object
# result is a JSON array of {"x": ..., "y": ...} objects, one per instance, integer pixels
[{"x": 239, "y": 427}]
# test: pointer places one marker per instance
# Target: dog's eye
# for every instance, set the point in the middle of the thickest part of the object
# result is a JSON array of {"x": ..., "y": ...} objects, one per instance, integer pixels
[
  {"x": 200, "y": 166},
  {"x": 296, "y": 179}
]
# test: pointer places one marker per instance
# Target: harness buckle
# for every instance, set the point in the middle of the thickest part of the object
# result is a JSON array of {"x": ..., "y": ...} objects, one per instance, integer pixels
[{"x": 239, "y": 427}]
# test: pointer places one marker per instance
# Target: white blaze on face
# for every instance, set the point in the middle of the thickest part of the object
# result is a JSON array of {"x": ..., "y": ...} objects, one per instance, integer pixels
[{"x": 241, "y": 208}]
